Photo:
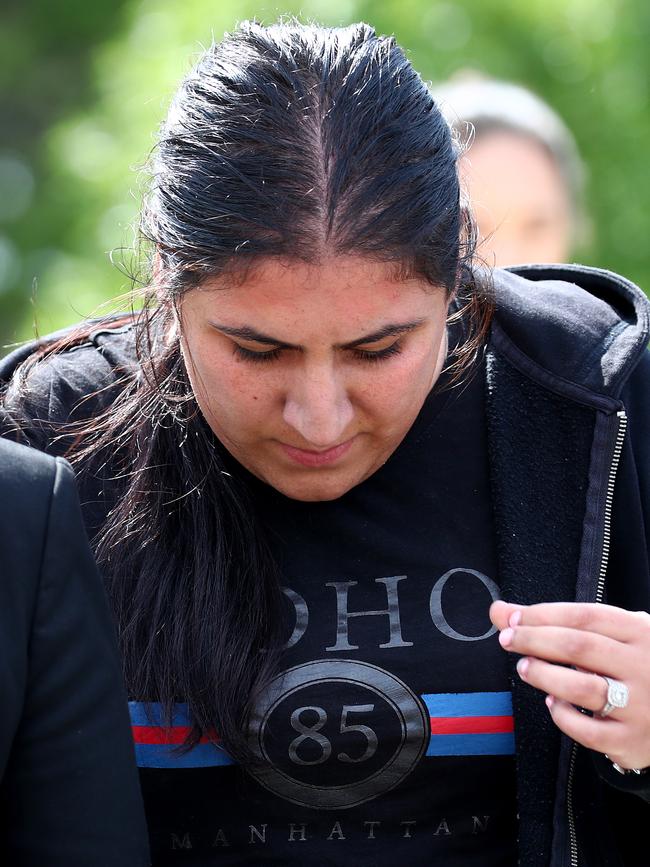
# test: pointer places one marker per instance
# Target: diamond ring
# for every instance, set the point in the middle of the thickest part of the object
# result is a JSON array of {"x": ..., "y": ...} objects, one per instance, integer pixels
[{"x": 618, "y": 696}]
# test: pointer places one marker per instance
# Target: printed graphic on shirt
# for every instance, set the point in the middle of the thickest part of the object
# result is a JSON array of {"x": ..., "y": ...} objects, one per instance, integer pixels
[
  {"x": 158, "y": 745},
  {"x": 459, "y": 724},
  {"x": 334, "y": 733}
]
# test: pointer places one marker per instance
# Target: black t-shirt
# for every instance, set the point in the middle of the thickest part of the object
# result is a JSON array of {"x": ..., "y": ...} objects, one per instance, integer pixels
[{"x": 387, "y": 736}]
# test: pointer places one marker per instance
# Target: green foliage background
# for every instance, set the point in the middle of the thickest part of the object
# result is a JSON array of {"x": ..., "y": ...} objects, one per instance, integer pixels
[{"x": 83, "y": 87}]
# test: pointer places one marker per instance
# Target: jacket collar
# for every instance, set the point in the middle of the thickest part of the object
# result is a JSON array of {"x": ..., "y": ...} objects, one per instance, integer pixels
[{"x": 583, "y": 326}]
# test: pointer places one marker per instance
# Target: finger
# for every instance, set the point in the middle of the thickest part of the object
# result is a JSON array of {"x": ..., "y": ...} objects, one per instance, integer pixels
[
  {"x": 603, "y": 736},
  {"x": 578, "y": 688},
  {"x": 500, "y": 612},
  {"x": 595, "y": 653},
  {"x": 606, "y": 620}
]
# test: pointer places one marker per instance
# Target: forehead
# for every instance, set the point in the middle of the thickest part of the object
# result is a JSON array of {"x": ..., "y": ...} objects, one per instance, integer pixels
[{"x": 341, "y": 294}]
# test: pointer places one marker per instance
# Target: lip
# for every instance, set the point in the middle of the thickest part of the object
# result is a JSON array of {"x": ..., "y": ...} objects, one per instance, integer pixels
[{"x": 317, "y": 458}]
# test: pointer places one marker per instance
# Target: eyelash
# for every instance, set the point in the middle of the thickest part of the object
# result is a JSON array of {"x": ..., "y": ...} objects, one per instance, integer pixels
[
  {"x": 381, "y": 354},
  {"x": 256, "y": 357},
  {"x": 360, "y": 354}
]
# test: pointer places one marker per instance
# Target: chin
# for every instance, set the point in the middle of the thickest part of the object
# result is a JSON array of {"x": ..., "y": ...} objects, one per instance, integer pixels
[{"x": 317, "y": 489}]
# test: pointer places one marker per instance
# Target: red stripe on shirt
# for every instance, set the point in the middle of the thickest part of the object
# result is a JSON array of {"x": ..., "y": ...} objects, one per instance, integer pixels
[
  {"x": 167, "y": 736},
  {"x": 471, "y": 725}
]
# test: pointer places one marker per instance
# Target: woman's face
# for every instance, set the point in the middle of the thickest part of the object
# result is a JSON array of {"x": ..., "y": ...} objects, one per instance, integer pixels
[
  {"x": 311, "y": 375},
  {"x": 520, "y": 201}
]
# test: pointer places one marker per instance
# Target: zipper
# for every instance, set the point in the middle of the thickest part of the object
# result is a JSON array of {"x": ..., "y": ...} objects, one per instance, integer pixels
[
  {"x": 573, "y": 838},
  {"x": 600, "y": 591},
  {"x": 609, "y": 497}
]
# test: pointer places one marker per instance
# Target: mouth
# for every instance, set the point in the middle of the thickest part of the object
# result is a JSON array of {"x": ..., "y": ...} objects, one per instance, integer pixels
[{"x": 309, "y": 458}]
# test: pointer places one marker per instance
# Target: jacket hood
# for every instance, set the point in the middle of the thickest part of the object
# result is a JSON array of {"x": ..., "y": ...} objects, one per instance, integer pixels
[{"x": 581, "y": 325}]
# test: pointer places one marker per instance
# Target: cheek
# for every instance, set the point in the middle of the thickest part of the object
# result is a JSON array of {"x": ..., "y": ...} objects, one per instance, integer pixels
[
  {"x": 398, "y": 392},
  {"x": 221, "y": 388},
  {"x": 233, "y": 397}
]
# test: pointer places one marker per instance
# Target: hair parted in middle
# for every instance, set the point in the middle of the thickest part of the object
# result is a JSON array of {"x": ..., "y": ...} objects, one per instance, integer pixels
[{"x": 303, "y": 142}]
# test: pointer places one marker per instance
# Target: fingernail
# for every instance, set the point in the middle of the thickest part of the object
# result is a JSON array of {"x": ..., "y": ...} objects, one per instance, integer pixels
[
  {"x": 505, "y": 637},
  {"x": 523, "y": 666},
  {"x": 550, "y": 701},
  {"x": 515, "y": 618}
]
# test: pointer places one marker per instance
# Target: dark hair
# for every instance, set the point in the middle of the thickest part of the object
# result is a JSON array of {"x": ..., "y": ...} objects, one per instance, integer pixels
[{"x": 286, "y": 141}]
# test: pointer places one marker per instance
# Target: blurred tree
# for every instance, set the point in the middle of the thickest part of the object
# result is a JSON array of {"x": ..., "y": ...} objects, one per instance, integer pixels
[
  {"x": 84, "y": 86},
  {"x": 47, "y": 53}
]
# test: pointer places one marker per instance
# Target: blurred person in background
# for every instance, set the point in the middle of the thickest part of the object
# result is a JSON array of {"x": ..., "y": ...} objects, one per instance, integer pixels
[
  {"x": 521, "y": 169},
  {"x": 69, "y": 794},
  {"x": 373, "y": 521}
]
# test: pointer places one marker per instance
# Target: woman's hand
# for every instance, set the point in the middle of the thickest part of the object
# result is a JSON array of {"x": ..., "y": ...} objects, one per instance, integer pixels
[{"x": 567, "y": 648}]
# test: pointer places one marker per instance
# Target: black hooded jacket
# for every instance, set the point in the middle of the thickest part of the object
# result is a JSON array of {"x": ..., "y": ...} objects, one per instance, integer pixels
[
  {"x": 568, "y": 383},
  {"x": 568, "y": 387}
]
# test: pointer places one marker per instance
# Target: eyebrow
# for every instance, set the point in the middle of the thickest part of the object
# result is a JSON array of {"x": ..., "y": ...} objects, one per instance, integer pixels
[{"x": 390, "y": 330}]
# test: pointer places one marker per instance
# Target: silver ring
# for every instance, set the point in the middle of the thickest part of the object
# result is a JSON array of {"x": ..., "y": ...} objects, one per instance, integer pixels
[{"x": 618, "y": 696}]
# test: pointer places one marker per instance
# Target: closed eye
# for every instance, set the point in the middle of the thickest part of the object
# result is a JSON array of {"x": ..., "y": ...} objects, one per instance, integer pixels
[
  {"x": 378, "y": 354},
  {"x": 256, "y": 356},
  {"x": 358, "y": 353}
]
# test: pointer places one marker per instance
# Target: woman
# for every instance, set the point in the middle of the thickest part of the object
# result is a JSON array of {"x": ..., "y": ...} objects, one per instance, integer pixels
[
  {"x": 302, "y": 524},
  {"x": 523, "y": 171},
  {"x": 68, "y": 786}
]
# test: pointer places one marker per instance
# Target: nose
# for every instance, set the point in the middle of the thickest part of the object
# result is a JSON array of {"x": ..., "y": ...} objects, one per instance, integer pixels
[{"x": 318, "y": 406}]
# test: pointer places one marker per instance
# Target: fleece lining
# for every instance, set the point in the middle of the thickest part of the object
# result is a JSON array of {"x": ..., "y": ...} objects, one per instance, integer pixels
[{"x": 540, "y": 448}]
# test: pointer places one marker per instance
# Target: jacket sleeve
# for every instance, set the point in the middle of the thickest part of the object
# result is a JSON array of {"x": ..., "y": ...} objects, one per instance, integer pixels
[
  {"x": 43, "y": 407},
  {"x": 70, "y": 795}
]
